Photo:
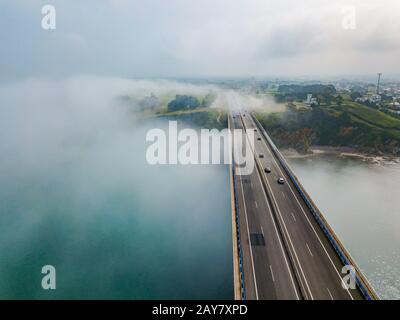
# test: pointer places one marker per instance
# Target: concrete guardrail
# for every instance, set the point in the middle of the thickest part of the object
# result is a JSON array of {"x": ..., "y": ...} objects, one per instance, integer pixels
[{"x": 363, "y": 284}]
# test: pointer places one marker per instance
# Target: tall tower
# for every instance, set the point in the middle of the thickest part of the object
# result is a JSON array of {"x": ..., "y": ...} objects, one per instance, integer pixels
[{"x": 379, "y": 81}]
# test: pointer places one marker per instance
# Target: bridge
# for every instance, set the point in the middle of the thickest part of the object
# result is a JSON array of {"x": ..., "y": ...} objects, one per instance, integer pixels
[{"x": 283, "y": 246}]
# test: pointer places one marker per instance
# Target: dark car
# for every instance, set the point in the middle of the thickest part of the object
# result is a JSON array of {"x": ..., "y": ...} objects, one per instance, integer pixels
[
  {"x": 267, "y": 170},
  {"x": 259, "y": 139},
  {"x": 261, "y": 155}
]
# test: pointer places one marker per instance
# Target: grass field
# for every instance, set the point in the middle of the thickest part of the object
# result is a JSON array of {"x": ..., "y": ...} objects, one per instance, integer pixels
[
  {"x": 372, "y": 116},
  {"x": 347, "y": 124}
]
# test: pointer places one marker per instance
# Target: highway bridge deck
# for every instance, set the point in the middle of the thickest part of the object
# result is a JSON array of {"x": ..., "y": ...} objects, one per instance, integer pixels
[{"x": 286, "y": 255}]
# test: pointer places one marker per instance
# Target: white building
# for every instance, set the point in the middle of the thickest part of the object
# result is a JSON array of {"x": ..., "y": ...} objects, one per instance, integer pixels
[
  {"x": 310, "y": 100},
  {"x": 376, "y": 98}
]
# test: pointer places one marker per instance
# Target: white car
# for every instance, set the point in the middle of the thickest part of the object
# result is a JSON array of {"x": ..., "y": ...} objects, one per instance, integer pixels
[{"x": 281, "y": 181}]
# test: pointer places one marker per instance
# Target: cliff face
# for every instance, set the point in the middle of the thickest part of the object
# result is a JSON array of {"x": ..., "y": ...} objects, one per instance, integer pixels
[
  {"x": 335, "y": 127},
  {"x": 301, "y": 139}
]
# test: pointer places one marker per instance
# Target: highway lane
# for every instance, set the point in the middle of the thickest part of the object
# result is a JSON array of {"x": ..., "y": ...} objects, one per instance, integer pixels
[
  {"x": 316, "y": 264},
  {"x": 268, "y": 273}
]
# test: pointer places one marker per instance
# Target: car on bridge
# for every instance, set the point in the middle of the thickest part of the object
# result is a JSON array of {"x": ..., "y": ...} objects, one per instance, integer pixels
[
  {"x": 281, "y": 181},
  {"x": 267, "y": 170},
  {"x": 261, "y": 155},
  {"x": 259, "y": 139}
]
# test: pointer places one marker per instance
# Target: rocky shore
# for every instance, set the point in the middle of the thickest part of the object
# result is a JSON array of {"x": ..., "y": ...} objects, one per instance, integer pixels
[{"x": 345, "y": 152}]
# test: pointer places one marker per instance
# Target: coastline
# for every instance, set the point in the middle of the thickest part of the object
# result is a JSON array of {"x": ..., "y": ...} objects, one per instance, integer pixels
[{"x": 341, "y": 152}]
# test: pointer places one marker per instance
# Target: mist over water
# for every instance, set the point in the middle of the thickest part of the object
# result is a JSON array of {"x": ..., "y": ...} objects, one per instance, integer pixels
[
  {"x": 76, "y": 192},
  {"x": 361, "y": 203}
]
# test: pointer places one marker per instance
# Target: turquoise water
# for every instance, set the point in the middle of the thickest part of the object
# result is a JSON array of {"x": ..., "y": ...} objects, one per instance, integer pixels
[{"x": 113, "y": 226}]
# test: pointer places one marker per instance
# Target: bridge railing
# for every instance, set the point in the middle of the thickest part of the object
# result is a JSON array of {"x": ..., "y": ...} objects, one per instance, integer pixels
[
  {"x": 363, "y": 284},
  {"x": 240, "y": 250},
  {"x": 239, "y": 244}
]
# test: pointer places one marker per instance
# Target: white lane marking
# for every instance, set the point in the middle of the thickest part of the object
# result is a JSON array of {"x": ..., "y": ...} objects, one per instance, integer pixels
[
  {"x": 330, "y": 294},
  {"x": 283, "y": 195},
  {"x": 294, "y": 218},
  {"x": 255, "y": 202},
  {"x": 262, "y": 231},
  {"x": 291, "y": 242},
  {"x": 248, "y": 233},
  {"x": 251, "y": 184},
  {"x": 280, "y": 241},
  {"x": 315, "y": 232},
  {"x": 279, "y": 238},
  {"x": 288, "y": 235},
  {"x": 309, "y": 250},
  {"x": 301, "y": 207},
  {"x": 272, "y": 273}
]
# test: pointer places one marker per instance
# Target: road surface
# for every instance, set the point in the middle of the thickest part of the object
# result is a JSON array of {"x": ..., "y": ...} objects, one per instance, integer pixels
[{"x": 285, "y": 253}]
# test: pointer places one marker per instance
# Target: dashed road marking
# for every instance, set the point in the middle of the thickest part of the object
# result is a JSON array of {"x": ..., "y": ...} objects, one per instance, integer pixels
[
  {"x": 309, "y": 250},
  {"x": 330, "y": 294},
  {"x": 272, "y": 273}
]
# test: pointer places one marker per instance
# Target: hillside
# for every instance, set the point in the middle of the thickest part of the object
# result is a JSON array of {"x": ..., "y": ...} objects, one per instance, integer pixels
[
  {"x": 191, "y": 109},
  {"x": 207, "y": 118},
  {"x": 347, "y": 124}
]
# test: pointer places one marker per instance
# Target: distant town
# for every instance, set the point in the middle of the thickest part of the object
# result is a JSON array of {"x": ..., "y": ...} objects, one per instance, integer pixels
[{"x": 360, "y": 114}]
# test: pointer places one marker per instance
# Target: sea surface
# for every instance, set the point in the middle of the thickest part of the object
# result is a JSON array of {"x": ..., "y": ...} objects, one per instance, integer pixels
[
  {"x": 361, "y": 201},
  {"x": 113, "y": 226}
]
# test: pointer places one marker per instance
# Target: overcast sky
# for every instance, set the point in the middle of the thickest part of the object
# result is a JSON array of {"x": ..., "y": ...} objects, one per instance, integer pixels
[{"x": 184, "y": 38}]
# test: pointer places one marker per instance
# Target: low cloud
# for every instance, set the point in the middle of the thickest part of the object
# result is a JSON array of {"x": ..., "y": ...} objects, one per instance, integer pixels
[
  {"x": 76, "y": 190},
  {"x": 211, "y": 38}
]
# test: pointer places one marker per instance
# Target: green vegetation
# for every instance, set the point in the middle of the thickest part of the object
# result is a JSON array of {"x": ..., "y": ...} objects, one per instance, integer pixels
[
  {"x": 207, "y": 118},
  {"x": 194, "y": 110},
  {"x": 183, "y": 102},
  {"x": 339, "y": 123},
  {"x": 294, "y": 92},
  {"x": 373, "y": 116},
  {"x": 186, "y": 102}
]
